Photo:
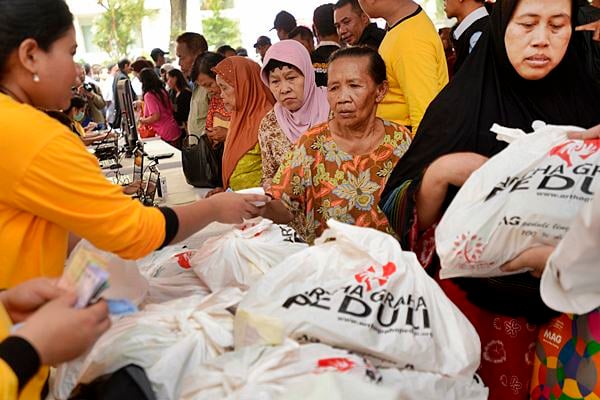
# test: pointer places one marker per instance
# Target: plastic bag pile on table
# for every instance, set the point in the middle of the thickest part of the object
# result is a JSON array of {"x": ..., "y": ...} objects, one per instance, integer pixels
[{"x": 247, "y": 312}]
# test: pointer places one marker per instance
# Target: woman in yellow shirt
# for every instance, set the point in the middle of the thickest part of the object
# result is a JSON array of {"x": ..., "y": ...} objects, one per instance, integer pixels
[
  {"x": 51, "y": 185},
  {"x": 53, "y": 332}
]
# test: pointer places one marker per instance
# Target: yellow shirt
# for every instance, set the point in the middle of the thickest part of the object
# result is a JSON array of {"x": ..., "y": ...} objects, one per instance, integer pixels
[
  {"x": 416, "y": 70},
  {"x": 51, "y": 185},
  {"x": 248, "y": 171},
  {"x": 9, "y": 385}
]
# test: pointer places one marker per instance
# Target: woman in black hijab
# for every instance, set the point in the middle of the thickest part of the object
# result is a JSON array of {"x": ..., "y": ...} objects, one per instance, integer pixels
[{"x": 495, "y": 86}]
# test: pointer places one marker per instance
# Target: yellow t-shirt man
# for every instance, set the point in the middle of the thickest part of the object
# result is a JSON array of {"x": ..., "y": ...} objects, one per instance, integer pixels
[
  {"x": 416, "y": 69},
  {"x": 51, "y": 185}
]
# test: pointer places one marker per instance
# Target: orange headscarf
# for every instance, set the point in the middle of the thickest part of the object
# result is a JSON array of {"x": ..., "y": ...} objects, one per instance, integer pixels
[{"x": 253, "y": 101}]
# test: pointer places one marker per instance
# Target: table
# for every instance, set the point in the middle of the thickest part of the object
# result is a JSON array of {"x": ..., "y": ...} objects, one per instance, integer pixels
[{"x": 178, "y": 190}]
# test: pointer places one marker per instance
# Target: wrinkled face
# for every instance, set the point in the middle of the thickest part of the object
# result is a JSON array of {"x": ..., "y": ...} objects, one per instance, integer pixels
[
  {"x": 186, "y": 58},
  {"x": 352, "y": 93},
  {"x": 57, "y": 72},
  {"x": 537, "y": 36},
  {"x": 452, "y": 7},
  {"x": 227, "y": 94},
  {"x": 209, "y": 84},
  {"x": 287, "y": 86},
  {"x": 349, "y": 24}
]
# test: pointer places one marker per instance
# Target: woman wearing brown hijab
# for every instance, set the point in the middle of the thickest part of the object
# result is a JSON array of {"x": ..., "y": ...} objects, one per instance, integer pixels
[{"x": 248, "y": 100}]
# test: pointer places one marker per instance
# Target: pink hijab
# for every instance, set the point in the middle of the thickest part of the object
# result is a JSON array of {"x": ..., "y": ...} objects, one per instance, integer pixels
[{"x": 315, "y": 109}]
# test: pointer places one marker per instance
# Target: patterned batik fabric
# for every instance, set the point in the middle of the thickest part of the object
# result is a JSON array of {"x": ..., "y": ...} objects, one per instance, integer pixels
[
  {"x": 318, "y": 180},
  {"x": 567, "y": 359},
  {"x": 274, "y": 145}
]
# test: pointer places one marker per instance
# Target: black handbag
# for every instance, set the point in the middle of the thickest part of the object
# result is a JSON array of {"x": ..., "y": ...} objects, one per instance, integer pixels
[{"x": 201, "y": 162}]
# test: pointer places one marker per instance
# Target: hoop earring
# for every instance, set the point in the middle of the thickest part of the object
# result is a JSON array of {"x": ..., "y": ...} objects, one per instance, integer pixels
[{"x": 36, "y": 78}]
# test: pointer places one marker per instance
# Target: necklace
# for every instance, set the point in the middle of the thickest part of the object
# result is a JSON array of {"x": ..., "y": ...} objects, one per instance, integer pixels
[{"x": 9, "y": 93}]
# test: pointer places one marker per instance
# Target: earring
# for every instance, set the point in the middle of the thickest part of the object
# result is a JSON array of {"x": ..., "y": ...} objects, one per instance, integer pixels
[{"x": 36, "y": 78}]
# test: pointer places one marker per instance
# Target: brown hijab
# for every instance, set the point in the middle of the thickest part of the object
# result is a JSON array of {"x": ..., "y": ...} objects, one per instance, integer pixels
[{"x": 253, "y": 101}]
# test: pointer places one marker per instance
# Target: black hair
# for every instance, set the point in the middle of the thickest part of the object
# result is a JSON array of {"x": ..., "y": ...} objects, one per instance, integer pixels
[
  {"x": 323, "y": 20},
  {"x": 124, "y": 62},
  {"x": 87, "y": 68},
  {"x": 195, "y": 42},
  {"x": 44, "y": 21},
  {"x": 180, "y": 81},
  {"x": 225, "y": 48},
  {"x": 76, "y": 102},
  {"x": 376, "y": 64},
  {"x": 139, "y": 65},
  {"x": 273, "y": 64},
  {"x": 60, "y": 116},
  {"x": 303, "y": 32},
  {"x": 205, "y": 63},
  {"x": 353, "y": 3},
  {"x": 151, "y": 83}
]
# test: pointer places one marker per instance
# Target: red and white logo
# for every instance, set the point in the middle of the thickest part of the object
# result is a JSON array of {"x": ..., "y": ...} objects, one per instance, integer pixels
[
  {"x": 573, "y": 149},
  {"x": 375, "y": 277},
  {"x": 469, "y": 247},
  {"x": 183, "y": 259},
  {"x": 339, "y": 364}
]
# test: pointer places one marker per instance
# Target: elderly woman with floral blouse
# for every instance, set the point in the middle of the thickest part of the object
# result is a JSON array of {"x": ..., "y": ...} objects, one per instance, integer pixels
[{"x": 339, "y": 168}]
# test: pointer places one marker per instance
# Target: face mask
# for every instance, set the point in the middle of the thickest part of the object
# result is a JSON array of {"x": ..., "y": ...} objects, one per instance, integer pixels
[{"x": 79, "y": 116}]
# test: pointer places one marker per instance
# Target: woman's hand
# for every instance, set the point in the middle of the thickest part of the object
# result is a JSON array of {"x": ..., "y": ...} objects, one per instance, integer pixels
[
  {"x": 23, "y": 300},
  {"x": 214, "y": 191},
  {"x": 452, "y": 169},
  {"x": 592, "y": 26},
  {"x": 592, "y": 133},
  {"x": 59, "y": 332},
  {"x": 217, "y": 134},
  {"x": 533, "y": 260},
  {"x": 234, "y": 208}
]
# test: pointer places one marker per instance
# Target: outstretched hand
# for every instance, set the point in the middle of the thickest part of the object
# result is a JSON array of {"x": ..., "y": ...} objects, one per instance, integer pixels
[
  {"x": 592, "y": 26},
  {"x": 532, "y": 260}
]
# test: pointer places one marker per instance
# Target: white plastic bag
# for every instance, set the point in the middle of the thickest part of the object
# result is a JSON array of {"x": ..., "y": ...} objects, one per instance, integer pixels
[
  {"x": 125, "y": 280},
  {"x": 169, "y": 341},
  {"x": 525, "y": 196},
  {"x": 264, "y": 372},
  {"x": 240, "y": 256},
  {"x": 415, "y": 385},
  {"x": 571, "y": 282},
  {"x": 356, "y": 289}
]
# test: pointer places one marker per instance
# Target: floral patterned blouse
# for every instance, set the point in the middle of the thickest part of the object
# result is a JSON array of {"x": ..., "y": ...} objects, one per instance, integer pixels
[
  {"x": 318, "y": 181},
  {"x": 274, "y": 145}
]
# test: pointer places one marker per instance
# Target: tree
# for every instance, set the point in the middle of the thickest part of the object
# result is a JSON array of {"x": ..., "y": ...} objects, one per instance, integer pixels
[
  {"x": 118, "y": 26},
  {"x": 219, "y": 30},
  {"x": 178, "y": 20}
]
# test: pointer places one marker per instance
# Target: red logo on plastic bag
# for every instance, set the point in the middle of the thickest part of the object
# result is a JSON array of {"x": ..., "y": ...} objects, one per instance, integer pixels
[
  {"x": 375, "y": 277},
  {"x": 340, "y": 364},
  {"x": 583, "y": 149},
  {"x": 183, "y": 259},
  {"x": 469, "y": 247}
]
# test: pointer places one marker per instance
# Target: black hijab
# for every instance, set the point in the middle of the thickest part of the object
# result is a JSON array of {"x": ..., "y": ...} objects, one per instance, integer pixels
[{"x": 488, "y": 90}]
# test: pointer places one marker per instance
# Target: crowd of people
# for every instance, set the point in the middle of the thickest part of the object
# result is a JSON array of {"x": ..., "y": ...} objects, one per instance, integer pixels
[{"x": 344, "y": 120}]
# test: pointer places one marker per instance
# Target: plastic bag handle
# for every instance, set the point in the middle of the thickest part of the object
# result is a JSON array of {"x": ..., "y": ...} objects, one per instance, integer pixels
[{"x": 507, "y": 135}]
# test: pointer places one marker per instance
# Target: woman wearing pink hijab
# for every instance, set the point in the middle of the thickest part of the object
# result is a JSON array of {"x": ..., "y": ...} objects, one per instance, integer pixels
[{"x": 301, "y": 105}]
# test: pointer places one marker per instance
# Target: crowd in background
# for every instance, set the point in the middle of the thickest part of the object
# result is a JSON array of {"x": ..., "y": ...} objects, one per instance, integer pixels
[{"x": 345, "y": 120}]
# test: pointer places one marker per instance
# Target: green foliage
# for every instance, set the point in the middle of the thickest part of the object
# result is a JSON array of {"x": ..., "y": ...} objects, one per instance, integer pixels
[
  {"x": 219, "y": 30},
  {"x": 118, "y": 27}
]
